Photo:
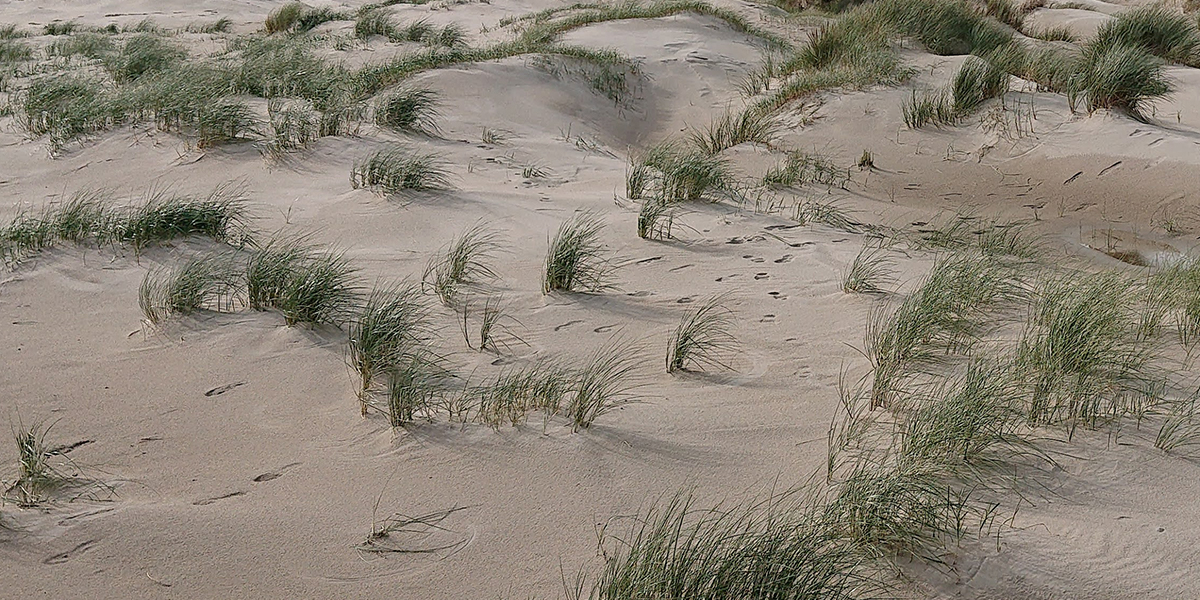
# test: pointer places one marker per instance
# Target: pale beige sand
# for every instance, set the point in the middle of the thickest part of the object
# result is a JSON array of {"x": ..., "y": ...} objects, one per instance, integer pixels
[{"x": 191, "y": 521}]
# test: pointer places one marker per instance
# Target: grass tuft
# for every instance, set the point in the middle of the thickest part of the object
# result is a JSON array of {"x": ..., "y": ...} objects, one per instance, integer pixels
[
  {"x": 396, "y": 168},
  {"x": 704, "y": 338},
  {"x": 575, "y": 260},
  {"x": 392, "y": 325},
  {"x": 213, "y": 282},
  {"x": 408, "y": 109},
  {"x": 306, "y": 285},
  {"x": 870, "y": 272},
  {"x": 464, "y": 261}
]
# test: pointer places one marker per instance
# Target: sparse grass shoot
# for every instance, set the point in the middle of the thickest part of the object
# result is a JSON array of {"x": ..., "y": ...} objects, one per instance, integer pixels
[{"x": 466, "y": 260}]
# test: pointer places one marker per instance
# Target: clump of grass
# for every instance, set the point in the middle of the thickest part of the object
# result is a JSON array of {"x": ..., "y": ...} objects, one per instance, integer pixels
[
  {"x": 1054, "y": 34},
  {"x": 43, "y": 471},
  {"x": 964, "y": 231},
  {"x": 976, "y": 82},
  {"x": 306, "y": 285},
  {"x": 464, "y": 261},
  {"x": 408, "y": 109},
  {"x": 67, "y": 107},
  {"x": 1083, "y": 357},
  {"x": 1181, "y": 429},
  {"x": 375, "y": 21},
  {"x": 576, "y": 259},
  {"x": 929, "y": 107},
  {"x": 221, "y": 215},
  {"x": 1118, "y": 76},
  {"x": 734, "y": 128},
  {"x": 212, "y": 282},
  {"x": 515, "y": 392},
  {"x": 85, "y": 216},
  {"x": 678, "y": 174},
  {"x": 828, "y": 213},
  {"x": 392, "y": 325},
  {"x": 604, "y": 382},
  {"x": 805, "y": 168},
  {"x": 294, "y": 126},
  {"x": 415, "y": 382},
  {"x": 704, "y": 338},
  {"x": 14, "y": 51},
  {"x": 96, "y": 46},
  {"x": 221, "y": 25},
  {"x": 284, "y": 17},
  {"x": 9, "y": 31},
  {"x": 25, "y": 235},
  {"x": 945, "y": 313},
  {"x": 396, "y": 168},
  {"x": 224, "y": 121},
  {"x": 655, "y": 219},
  {"x": 778, "y": 547},
  {"x": 1160, "y": 31},
  {"x": 869, "y": 273},
  {"x": 59, "y": 28},
  {"x": 143, "y": 54},
  {"x": 1006, "y": 11}
]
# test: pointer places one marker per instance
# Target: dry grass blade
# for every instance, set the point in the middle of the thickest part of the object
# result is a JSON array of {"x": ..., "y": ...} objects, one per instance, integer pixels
[{"x": 421, "y": 534}]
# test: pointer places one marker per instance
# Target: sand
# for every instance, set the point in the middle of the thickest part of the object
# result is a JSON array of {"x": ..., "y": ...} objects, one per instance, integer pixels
[{"x": 241, "y": 465}]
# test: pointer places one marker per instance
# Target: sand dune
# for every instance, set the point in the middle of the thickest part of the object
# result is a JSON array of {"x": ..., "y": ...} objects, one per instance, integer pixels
[{"x": 236, "y": 461}]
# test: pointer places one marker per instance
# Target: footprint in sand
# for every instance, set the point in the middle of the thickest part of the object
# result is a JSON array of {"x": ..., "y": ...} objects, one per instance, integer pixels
[
  {"x": 680, "y": 268},
  {"x": 726, "y": 277},
  {"x": 57, "y": 559},
  {"x": 786, "y": 258},
  {"x": 777, "y": 295},
  {"x": 686, "y": 300},
  {"x": 568, "y": 324},
  {"x": 217, "y": 391},
  {"x": 758, "y": 259},
  {"x": 604, "y": 328},
  {"x": 207, "y": 501},
  {"x": 768, "y": 318},
  {"x": 272, "y": 475}
]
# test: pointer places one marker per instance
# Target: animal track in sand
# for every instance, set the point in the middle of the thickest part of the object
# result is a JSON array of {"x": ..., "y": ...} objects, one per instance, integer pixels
[
  {"x": 680, "y": 268},
  {"x": 786, "y": 258},
  {"x": 217, "y": 391},
  {"x": 761, "y": 276},
  {"x": 777, "y": 295},
  {"x": 768, "y": 318},
  {"x": 604, "y": 328},
  {"x": 734, "y": 275},
  {"x": 57, "y": 559},
  {"x": 686, "y": 300}
]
